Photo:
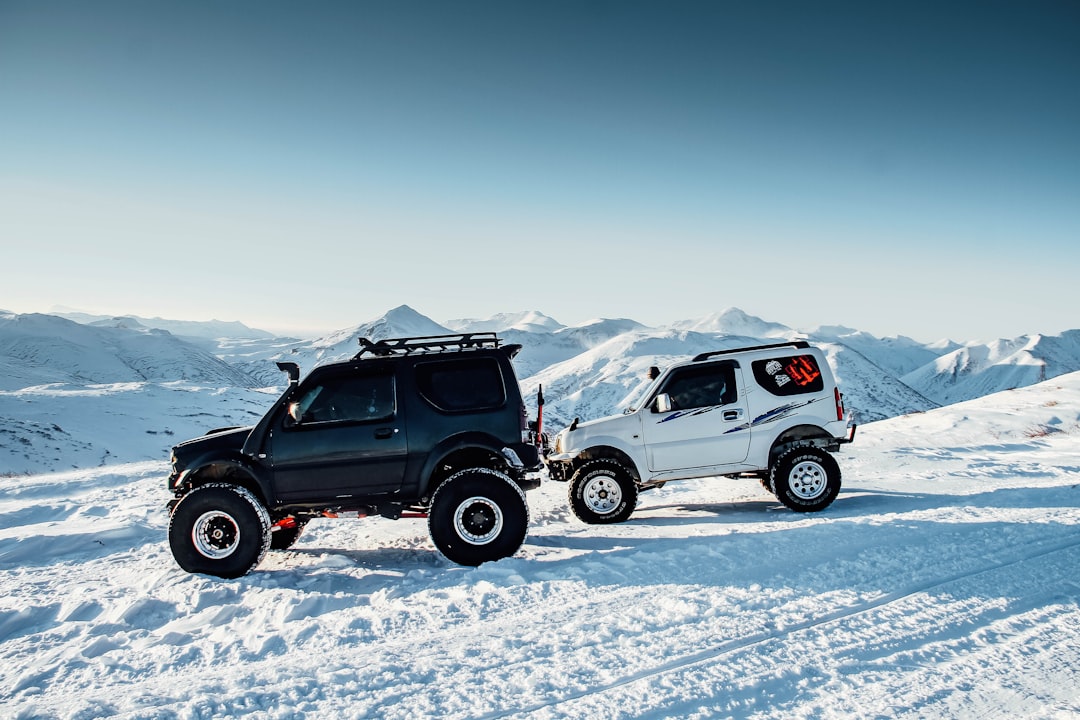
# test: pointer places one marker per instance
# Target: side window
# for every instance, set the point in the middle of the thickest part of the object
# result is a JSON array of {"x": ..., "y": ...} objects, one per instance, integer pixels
[
  {"x": 705, "y": 386},
  {"x": 347, "y": 398},
  {"x": 461, "y": 384},
  {"x": 789, "y": 375}
]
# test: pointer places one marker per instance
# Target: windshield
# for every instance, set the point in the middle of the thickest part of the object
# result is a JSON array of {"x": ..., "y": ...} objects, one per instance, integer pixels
[{"x": 636, "y": 396}]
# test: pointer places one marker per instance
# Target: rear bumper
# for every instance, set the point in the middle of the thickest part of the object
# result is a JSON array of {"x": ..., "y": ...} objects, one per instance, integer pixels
[
  {"x": 523, "y": 456},
  {"x": 524, "y": 463}
]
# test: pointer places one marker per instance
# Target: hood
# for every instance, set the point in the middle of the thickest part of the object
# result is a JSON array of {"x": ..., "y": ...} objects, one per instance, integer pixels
[
  {"x": 220, "y": 439},
  {"x": 613, "y": 425}
]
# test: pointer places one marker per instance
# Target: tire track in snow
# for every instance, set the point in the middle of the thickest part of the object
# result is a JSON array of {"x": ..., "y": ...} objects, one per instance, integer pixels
[{"x": 734, "y": 646}]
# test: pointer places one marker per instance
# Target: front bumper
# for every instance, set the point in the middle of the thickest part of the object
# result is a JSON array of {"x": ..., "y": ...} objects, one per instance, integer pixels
[{"x": 560, "y": 467}]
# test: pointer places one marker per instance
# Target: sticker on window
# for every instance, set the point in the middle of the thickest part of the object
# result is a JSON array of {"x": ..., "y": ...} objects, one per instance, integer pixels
[{"x": 790, "y": 375}]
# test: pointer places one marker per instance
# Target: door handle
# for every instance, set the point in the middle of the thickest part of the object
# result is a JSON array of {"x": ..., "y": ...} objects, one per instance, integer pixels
[
  {"x": 732, "y": 414},
  {"x": 385, "y": 433}
]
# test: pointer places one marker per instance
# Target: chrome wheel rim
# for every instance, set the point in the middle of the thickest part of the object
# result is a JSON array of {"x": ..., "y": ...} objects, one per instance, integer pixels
[
  {"x": 602, "y": 494},
  {"x": 215, "y": 535},
  {"x": 478, "y": 520},
  {"x": 807, "y": 480}
]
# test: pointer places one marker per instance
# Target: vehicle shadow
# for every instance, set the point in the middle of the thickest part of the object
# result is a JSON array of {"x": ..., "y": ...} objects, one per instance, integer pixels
[{"x": 821, "y": 552}]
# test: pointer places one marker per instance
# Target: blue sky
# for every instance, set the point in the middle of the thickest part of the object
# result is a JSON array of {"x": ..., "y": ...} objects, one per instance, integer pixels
[{"x": 902, "y": 168}]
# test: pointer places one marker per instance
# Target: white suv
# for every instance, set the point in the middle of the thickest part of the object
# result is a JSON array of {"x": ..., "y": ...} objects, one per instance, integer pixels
[{"x": 772, "y": 412}]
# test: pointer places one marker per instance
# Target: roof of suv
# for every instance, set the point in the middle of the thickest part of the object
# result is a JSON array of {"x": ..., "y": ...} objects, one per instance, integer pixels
[{"x": 797, "y": 344}]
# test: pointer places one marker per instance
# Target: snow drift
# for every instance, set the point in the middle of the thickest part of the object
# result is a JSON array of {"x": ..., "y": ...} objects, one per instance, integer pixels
[{"x": 938, "y": 585}]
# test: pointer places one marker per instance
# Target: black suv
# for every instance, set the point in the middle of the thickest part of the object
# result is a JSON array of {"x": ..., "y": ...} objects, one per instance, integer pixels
[{"x": 424, "y": 427}]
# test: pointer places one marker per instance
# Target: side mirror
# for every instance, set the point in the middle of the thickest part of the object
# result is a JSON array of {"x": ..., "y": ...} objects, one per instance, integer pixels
[
  {"x": 294, "y": 412},
  {"x": 662, "y": 403}
]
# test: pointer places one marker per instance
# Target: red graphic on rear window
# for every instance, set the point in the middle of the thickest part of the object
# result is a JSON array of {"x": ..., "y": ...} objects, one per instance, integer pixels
[{"x": 802, "y": 370}]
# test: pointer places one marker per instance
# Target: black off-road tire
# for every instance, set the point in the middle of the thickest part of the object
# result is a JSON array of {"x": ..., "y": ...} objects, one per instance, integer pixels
[
  {"x": 766, "y": 481},
  {"x": 219, "y": 529},
  {"x": 603, "y": 491},
  {"x": 478, "y": 515},
  {"x": 805, "y": 479}
]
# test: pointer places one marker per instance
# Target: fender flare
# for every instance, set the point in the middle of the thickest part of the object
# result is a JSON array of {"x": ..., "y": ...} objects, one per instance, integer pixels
[
  {"x": 610, "y": 446},
  {"x": 802, "y": 435},
  {"x": 255, "y": 477},
  {"x": 477, "y": 441}
]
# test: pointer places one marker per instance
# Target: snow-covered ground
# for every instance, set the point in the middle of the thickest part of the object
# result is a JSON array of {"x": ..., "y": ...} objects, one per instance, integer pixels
[{"x": 941, "y": 583}]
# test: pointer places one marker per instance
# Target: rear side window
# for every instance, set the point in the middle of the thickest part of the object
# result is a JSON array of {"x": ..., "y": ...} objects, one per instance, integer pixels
[
  {"x": 789, "y": 375},
  {"x": 461, "y": 385}
]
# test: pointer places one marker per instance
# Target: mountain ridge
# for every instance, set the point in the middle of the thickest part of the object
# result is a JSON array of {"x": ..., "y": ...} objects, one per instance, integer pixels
[{"x": 587, "y": 370}]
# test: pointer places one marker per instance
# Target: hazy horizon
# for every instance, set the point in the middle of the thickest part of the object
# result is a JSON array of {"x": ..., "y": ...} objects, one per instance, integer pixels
[{"x": 312, "y": 332}]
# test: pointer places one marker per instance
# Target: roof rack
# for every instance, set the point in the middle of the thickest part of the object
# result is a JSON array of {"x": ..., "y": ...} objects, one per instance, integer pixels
[
  {"x": 427, "y": 343},
  {"x": 800, "y": 344}
]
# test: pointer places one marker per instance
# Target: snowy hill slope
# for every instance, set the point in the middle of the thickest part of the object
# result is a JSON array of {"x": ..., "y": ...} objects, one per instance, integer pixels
[
  {"x": 734, "y": 321},
  {"x": 526, "y": 321},
  {"x": 542, "y": 350},
  {"x": 540, "y": 346},
  {"x": 870, "y": 392},
  {"x": 897, "y": 355},
  {"x": 976, "y": 370},
  {"x": 187, "y": 329},
  {"x": 934, "y": 373},
  {"x": 587, "y": 370},
  {"x": 258, "y": 359},
  {"x": 402, "y": 321},
  {"x": 938, "y": 585},
  {"x": 36, "y": 349},
  {"x": 601, "y": 380},
  {"x": 61, "y": 426}
]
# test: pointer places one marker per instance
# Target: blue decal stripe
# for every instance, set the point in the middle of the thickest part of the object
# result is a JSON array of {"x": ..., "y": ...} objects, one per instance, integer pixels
[
  {"x": 782, "y": 412},
  {"x": 687, "y": 413}
]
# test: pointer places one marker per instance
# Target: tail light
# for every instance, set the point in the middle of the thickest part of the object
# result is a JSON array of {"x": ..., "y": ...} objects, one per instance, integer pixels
[
  {"x": 839, "y": 404},
  {"x": 525, "y": 435}
]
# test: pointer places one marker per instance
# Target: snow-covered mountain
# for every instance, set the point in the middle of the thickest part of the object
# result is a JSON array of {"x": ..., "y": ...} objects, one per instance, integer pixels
[
  {"x": 541, "y": 350},
  {"x": 870, "y": 392},
  {"x": 602, "y": 379},
  {"x": 734, "y": 321},
  {"x": 587, "y": 370},
  {"x": 186, "y": 329},
  {"x": 976, "y": 370},
  {"x": 37, "y": 349},
  {"x": 401, "y": 321},
  {"x": 896, "y": 355},
  {"x": 525, "y": 321}
]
